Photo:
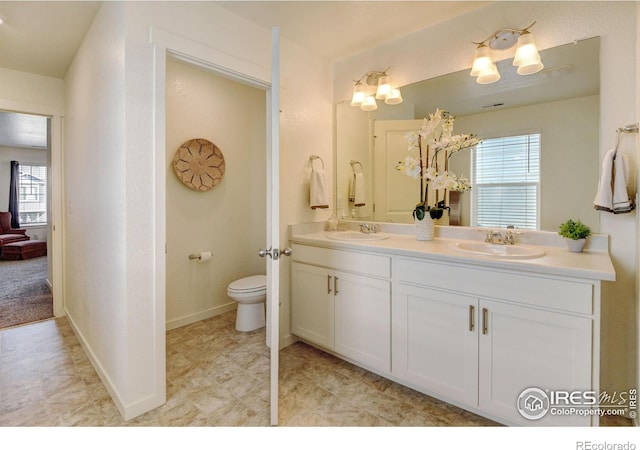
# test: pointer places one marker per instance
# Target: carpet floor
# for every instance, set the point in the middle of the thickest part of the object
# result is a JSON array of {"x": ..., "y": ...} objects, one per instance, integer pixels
[{"x": 24, "y": 293}]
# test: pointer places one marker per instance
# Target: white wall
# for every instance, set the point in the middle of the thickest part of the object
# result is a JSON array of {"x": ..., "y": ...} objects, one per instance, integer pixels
[
  {"x": 23, "y": 88},
  {"x": 230, "y": 219},
  {"x": 96, "y": 266},
  {"x": 24, "y": 156},
  {"x": 446, "y": 48},
  {"x": 110, "y": 176}
]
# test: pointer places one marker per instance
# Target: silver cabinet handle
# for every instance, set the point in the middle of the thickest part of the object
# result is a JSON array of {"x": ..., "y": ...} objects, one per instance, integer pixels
[
  {"x": 329, "y": 284},
  {"x": 335, "y": 285},
  {"x": 472, "y": 319}
]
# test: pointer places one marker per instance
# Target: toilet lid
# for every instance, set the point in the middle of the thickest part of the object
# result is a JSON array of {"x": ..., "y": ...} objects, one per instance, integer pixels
[{"x": 249, "y": 284}]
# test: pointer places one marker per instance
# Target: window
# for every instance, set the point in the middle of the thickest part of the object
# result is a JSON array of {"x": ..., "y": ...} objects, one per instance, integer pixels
[
  {"x": 506, "y": 182},
  {"x": 33, "y": 195}
]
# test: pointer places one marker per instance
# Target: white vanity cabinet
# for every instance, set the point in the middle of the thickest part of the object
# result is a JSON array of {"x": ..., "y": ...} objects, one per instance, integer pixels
[
  {"x": 480, "y": 337},
  {"x": 341, "y": 300}
]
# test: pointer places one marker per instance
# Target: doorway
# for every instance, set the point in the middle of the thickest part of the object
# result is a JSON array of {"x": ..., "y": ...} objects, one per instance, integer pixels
[
  {"x": 25, "y": 269},
  {"x": 167, "y": 44}
]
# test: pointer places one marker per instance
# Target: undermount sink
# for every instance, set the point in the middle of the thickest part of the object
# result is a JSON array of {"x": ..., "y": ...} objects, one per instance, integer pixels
[
  {"x": 356, "y": 236},
  {"x": 500, "y": 250}
]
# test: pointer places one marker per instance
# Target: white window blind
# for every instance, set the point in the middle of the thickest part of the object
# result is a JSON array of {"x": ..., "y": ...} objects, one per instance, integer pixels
[
  {"x": 33, "y": 195},
  {"x": 506, "y": 182}
]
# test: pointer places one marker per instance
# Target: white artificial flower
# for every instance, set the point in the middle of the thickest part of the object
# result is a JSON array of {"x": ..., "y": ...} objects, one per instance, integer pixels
[
  {"x": 410, "y": 166},
  {"x": 430, "y": 173}
]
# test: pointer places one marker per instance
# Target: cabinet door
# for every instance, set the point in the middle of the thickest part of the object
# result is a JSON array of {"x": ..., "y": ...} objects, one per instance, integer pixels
[
  {"x": 312, "y": 305},
  {"x": 522, "y": 347},
  {"x": 435, "y": 342},
  {"x": 363, "y": 319}
]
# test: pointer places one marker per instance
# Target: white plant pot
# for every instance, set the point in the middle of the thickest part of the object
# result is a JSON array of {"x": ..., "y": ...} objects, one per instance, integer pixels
[
  {"x": 424, "y": 228},
  {"x": 575, "y": 245}
]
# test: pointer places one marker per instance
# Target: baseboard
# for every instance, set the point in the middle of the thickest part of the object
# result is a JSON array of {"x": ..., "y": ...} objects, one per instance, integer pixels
[
  {"x": 197, "y": 317},
  {"x": 126, "y": 411},
  {"x": 288, "y": 340}
]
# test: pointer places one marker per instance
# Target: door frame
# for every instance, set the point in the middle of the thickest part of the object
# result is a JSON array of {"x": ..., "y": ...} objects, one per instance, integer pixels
[
  {"x": 167, "y": 44},
  {"x": 55, "y": 229}
]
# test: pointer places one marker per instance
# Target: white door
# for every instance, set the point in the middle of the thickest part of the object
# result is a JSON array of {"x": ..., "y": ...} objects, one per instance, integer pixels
[
  {"x": 394, "y": 194},
  {"x": 273, "y": 223}
]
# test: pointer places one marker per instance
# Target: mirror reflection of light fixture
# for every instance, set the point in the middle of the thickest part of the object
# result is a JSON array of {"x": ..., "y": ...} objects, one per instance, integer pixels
[
  {"x": 384, "y": 91},
  {"x": 526, "y": 58}
]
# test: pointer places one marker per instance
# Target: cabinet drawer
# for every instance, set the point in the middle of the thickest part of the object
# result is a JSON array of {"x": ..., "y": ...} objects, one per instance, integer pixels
[
  {"x": 364, "y": 263},
  {"x": 564, "y": 295}
]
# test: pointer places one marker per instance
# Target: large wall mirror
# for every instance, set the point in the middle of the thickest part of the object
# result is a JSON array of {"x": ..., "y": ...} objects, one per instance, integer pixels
[{"x": 562, "y": 103}]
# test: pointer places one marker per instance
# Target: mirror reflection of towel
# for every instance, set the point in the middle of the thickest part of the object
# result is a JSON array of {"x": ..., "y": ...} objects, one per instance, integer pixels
[
  {"x": 318, "y": 189},
  {"x": 356, "y": 190}
]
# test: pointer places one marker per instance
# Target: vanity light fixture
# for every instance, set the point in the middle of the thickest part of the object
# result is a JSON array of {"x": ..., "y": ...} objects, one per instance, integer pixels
[
  {"x": 384, "y": 91},
  {"x": 526, "y": 58}
]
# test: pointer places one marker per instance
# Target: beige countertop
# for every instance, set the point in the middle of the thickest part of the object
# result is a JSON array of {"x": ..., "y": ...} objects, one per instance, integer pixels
[{"x": 594, "y": 263}]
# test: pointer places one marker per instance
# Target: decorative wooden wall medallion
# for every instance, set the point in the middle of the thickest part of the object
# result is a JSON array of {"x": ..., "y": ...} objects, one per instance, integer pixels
[{"x": 199, "y": 164}]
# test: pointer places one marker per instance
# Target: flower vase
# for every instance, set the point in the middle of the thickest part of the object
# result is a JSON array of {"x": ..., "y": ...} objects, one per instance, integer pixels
[
  {"x": 424, "y": 228},
  {"x": 444, "y": 220}
]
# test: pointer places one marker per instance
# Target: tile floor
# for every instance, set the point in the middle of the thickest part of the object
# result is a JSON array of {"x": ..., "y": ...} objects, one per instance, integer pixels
[{"x": 216, "y": 376}]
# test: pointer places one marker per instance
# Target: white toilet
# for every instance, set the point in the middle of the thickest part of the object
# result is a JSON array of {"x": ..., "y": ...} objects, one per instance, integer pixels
[{"x": 250, "y": 293}]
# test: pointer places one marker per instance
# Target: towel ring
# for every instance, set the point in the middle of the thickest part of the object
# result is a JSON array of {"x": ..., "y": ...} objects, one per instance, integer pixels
[
  {"x": 314, "y": 157},
  {"x": 633, "y": 128},
  {"x": 353, "y": 163}
]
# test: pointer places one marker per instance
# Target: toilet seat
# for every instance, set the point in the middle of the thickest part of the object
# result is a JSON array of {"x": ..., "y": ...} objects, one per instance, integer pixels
[{"x": 254, "y": 284}]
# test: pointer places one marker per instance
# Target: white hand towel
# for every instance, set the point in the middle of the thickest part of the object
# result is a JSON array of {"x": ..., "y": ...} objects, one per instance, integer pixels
[
  {"x": 357, "y": 195},
  {"x": 622, "y": 203},
  {"x": 604, "y": 196},
  {"x": 318, "y": 189}
]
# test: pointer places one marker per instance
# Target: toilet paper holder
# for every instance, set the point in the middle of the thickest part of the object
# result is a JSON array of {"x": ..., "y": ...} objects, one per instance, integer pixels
[{"x": 198, "y": 256}]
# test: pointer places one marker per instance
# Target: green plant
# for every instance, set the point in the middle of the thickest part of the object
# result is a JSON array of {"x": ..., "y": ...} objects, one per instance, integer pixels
[{"x": 574, "y": 230}]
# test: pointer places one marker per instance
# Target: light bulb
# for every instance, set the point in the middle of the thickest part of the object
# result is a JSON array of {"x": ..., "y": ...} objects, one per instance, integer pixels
[
  {"x": 527, "y": 57},
  {"x": 481, "y": 60},
  {"x": 369, "y": 104},
  {"x": 384, "y": 87},
  {"x": 395, "y": 98},
  {"x": 358, "y": 94}
]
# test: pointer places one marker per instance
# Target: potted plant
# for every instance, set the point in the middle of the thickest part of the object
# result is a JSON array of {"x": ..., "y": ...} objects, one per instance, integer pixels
[{"x": 575, "y": 234}]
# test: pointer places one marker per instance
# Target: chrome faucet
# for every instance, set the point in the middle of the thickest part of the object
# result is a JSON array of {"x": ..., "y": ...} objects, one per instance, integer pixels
[
  {"x": 368, "y": 228},
  {"x": 494, "y": 237},
  {"x": 508, "y": 238}
]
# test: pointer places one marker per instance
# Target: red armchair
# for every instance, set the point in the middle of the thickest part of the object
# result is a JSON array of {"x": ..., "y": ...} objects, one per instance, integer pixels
[{"x": 8, "y": 234}]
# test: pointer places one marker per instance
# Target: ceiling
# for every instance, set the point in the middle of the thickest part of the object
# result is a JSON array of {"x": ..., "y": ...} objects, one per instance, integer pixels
[
  {"x": 338, "y": 29},
  {"x": 43, "y": 37}
]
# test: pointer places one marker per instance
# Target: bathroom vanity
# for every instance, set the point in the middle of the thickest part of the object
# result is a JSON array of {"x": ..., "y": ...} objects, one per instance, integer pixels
[{"x": 470, "y": 329}]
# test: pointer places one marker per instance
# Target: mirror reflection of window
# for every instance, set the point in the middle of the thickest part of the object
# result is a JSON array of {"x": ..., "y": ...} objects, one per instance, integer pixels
[{"x": 506, "y": 182}]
